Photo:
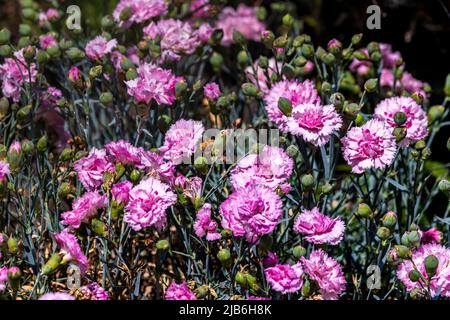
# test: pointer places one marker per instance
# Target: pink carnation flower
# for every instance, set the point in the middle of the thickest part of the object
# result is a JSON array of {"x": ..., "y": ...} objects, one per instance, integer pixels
[
  {"x": 155, "y": 166},
  {"x": 204, "y": 32},
  {"x": 440, "y": 282},
  {"x": 243, "y": 20},
  {"x": 416, "y": 119},
  {"x": 179, "y": 292},
  {"x": 212, "y": 91},
  {"x": 90, "y": 169},
  {"x": 272, "y": 167},
  {"x": 154, "y": 83},
  {"x": 147, "y": 204},
  {"x": 285, "y": 278},
  {"x": 3, "y": 278},
  {"x": 199, "y": 8},
  {"x": 177, "y": 38},
  {"x": 121, "y": 191},
  {"x": 14, "y": 73},
  {"x": 4, "y": 170},
  {"x": 74, "y": 74},
  {"x": 99, "y": 47},
  {"x": 141, "y": 11},
  {"x": 369, "y": 146},
  {"x": 270, "y": 260},
  {"x": 182, "y": 140},
  {"x": 260, "y": 80},
  {"x": 71, "y": 250},
  {"x": 94, "y": 291},
  {"x": 56, "y": 296},
  {"x": 296, "y": 92},
  {"x": 84, "y": 208},
  {"x": 191, "y": 187},
  {"x": 314, "y": 123},
  {"x": 432, "y": 235},
  {"x": 319, "y": 228},
  {"x": 326, "y": 272},
  {"x": 47, "y": 40},
  {"x": 204, "y": 225},
  {"x": 123, "y": 152},
  {"x": 251, "y": 212}
]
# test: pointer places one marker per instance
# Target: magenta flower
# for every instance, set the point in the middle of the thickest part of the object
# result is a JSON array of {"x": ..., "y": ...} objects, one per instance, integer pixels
[
  {"x": 141, "y": 11},
  {"x": 272, "y": 167},
  {"x": 154, "y": 165},
  {"x": 147, "y": 204},
  {"x": 326, "y": 272},
  {"x": 432, "y": 235},
  {"x": 94, "y": 291},
  {"x": 416, "y": 119},
  {"x": 296, "y": 92},
  {"x": 369, "y": 146},
  {"x": 270, "y": 260},
  {"x": 123, "y": 152},
  {"x": 4, "y": 170},
  {"x": 191, "y": 187},
  {"x": 177, "y": 38},
  {"x": 71, "y": 250},
  {"x": 90, "y": 169},
  {"x": 121, "y": 191},
  {"x": 154, "y": 83},
  {"x": 212, "y": 91},
  {"x": 318, "y": 228},
  {"x": 204, "y": 225},
  {"x": 14, "y": 73},
  {"x": 181, "y": 140},
  {"x": 314, "y": 123},
  {"x": 261, "y": 80},
  {"x": 251, "y": 212},
  {"x": 3, "y": 278},
  {"x": 243, "y": 20},
  {"x": 83, "y": 209},
  {"x": 199, "y": 8},
  {"x": 204, "y": 32},
  {"x": 179, "y": 292},
  {"x": 99, "y": 47},
  {"x": 47, "y": 40},
  {"x": 56, "y": 296},
  {"x": 285, "y": 278},
  {"x": 440, "y": 282},
  {"x": 74, "y": 74}
]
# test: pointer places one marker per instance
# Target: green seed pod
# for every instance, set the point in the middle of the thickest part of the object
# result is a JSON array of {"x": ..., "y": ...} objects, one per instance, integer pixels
[
  {"x": 24, "y": 113},
  {"x": 307, "y": 181},
  {"x": 249, "y": 89},
  {"x": 241, "y": 279},
  {"x": 371, "y": 85},
  {"x": 162, "y": 245},
  {"x": 135, "y": 175},
  {"x": 414, "y": 275},
  {"x": 216, "y": 61},
  {"x": 356, "y": 39},
  {"x": 403, "y": 252},
  {"x": 298, "y": 251},
  {"x": 13, "y": 245},
  {"x": 5, "y": 51},
  {"x": 364, "y": 211},
  {"x": 52, "y": 264},
  {"x": 201, "y": 165},
  {"x": 383, "y": 233},
  {"x": 42, "y": 143},
  {"x": 224, "y": 257},
  {"x": 64, "y": 190},
  {"x": 75, "y": 54},
  {"x": 285, "y": 106},
  {"x": 5, "y": 35},
  {"x": 66, "y": 154},
  {"x": 431, "y": 264},
  {"x": 389, "y": 219}
]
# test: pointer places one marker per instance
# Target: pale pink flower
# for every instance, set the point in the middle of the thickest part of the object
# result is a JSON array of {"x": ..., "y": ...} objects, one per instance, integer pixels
[
  {"x": 155, "y": 166},
  {"x": 369, "y": 146},
  {"x": 191, "y": 187},
  {"x": 122, "y": 151},
  {"x": 15, "y": 147},
  {"x": 14, "y": 73},
  {"x": 94, "y": 291},
  {"x": 318, "y": 228},
  {"x": 204, "y": 32},
  {"x": 71, "y": 250},
  {"x": 243, "y": 19},
  {"x": 416, "y": 119},
  {"x": 90, "y": 169},
  {"x": 212, "y": 91},
  {"x": 204, "y": 225},
  {"x": 179, "y": 292},
  {"x": 47, "y": 40},
  {"x": 296, "y": 92},
  {"x": 83, "y": 209},
  {"x": 182, "y": 140},
  {"x": 56, "y": 296},
  {"x": 121, "y": 191},
  {"x": 99, "y": 47},
  {"x": 251, "y": 212},
  {"x": 285, "y": 278},
  {"x": 148, "y": 202},
  {"x": 4, "y": 170},
  {"x": 154, "y": 83},
  {"x": 199, "y": 8},
  {"x": 327, "y": 272},
  {"x": 261, "y": 80},
  {"x": 440, "y": 282},
  {"x": 271, "y": 167},
  {"x": 141, "y": 11},
  {"x": 314, "y": 123}
]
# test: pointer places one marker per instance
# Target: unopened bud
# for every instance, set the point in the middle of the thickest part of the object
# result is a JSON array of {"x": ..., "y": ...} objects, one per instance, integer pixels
[
  {"x": 298, "y": 251},
  {"x": 307, "y": 181},
  {"x": 13, "y": 245},
  {"x": 390, "y": 219},
  {"x": 52, "y": 264},
  {"x": 285, "y": 106},
  {"x": 162, "y": 245},
  {"x": 383, "y": 233},
  {"x": 403, "y": 252},
  {"x": 224, "y": 257},
  {"x": 431, "y": 264},
  {"x": 435, "y": 113},
  {"x": 42, "y": 143},
  {"x": 371, "y": 85},
  {"x": 414, "y": 275},
  {"x": 364, "y": 211},
  {"x": 201, "y": 165}
]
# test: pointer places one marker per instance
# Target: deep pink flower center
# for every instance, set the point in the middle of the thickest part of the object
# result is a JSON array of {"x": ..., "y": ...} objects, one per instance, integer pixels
[{"x": 371, "y": 145}]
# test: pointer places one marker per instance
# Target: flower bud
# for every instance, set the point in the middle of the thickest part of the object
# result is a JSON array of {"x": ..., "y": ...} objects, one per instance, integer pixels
[
  {"x": 106, "y": 98},
  {"x": 356, "y": 39},
  {"x": 98, "y": 227},
  {"x": 334, "y": 46},
  {"x": 414, "y": 275},
  {"x": 64, "y": 190},
  {"x": 249, "y": 89},
  {"x": 414, "y": 238},
  {"x": 242, "y": 58},
  {"x": 53, "y": 51},
  {"x": 447, "y": 86},
  {"x": 5, "y": 35},
  {"x": 371, "y": 85},
  {"x": 24, "y": 113},
  {"x": 298, "y": 251},
  {"x": 162, "y": 245},
  {"x": 337, "y": 99},
  {"x": 201, "y": 165},
  {"x": 27, "y": 146},
  {"x": 202, "y": 291},
  {"x": 94, "y": 72},
  {"x": 426, "y": 153},
  {"x": 24, "y": 42},
  {"x": 267, "y": 38},
  {"x": 373, "y": 47},
  {"x": 241, "y": 279},
  {"x": 125, "y": 14},
  {"x": 383, "y": 233},
  {"x": 431, "y": 264},
  {"x": 292, "y": 151},
  {"x": 24, "y": 29},
  {"x": 216, "y": 61},
  {"x": 263, "y": 62},
  {"x": 307, "y": 50},
  {"x": 444, "y": 186},
  {"x": 287, "y": 20},
  {"x": 418, "y": 97},
  {"x": 360, "y": 55},
  {"x": 326, "y": 87},
  {"x": 251, "y": 281},
  {"x": 75, "y": 54},
  {"x": 29, "y": 53},
  {"x": 399, "y": 133},
  {"x": 376, "y": 57},
  {"x": 280, "y": 42},
  {"x": 52, "y": 264},
  {"x": 306, "y": 289},
  {"x": 435, "y": 113},
  {"x": 107, "y": 22},
  {"x": 180, "y": 88},
  {"x": 400, "y": 118},
  {"x": 226, "y": 233},
  {"x": 14, "y": 275},
  {"x": 239, "y": 38},
  {"x": 420, "y": 145},
  {"x": 42, "y": 143},
  {"x": 390, "y": 219},
  {"x": 448, "y": 144},
  {"x": 307, "y": 181},
  {"x": 403, "y": 252},
  {"x": 224, "y": 257},
  {"x": 285, "y": 106},
  {"x": 329, "y": 59},
  {"x": 359, "y": 120},
  {"x": 326, "y": 188},
  {"x": 13, "y": 245},
  {"x": 352, "y": 109},
  {"x": 364, "y": 211},
  {"x": 135, "y": 175},
  {"x": 5, "y": 51}
]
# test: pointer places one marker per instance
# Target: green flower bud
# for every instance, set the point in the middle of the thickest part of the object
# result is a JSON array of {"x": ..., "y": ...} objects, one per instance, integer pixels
[
  {"x": 239, "y": 38},
  {"x": 24, "y": 113},
  {"x": 307, "y": 181},
  {"x": 75, "y": 54},
  {"x": 435, "y": 113},
  {"x": 226, "y": 233},
  {"x": 131, "y": 74},
  {"x": 241, "y": 279},
  {"x": 251, "y": 281},
  {"x": 224, "y": 257},
  {"x": 326, "y": 188},
  {"x": 326, "y": 87},
  {"x": 399, "y": 133},
  {"x": 42, "y": 143},
  {"x": 261, "y": 13},
  {"x": 80, "y": 154},
  {"x": 373, "y": 47},
  {"x": 426, "y": 153},
  {"x": 298, "y": 251},
  {"x": 376, "y": 57},
  {"x": 180, "y": 88},
  {"x": 403, "y": 252},
  {"x": 263, "y": 62},
  {"x": 431, "y": 264},
  {"x": 24, "y": 29},
  {"x": 96, "y": 71},
  {"x": 52, "y": 264},
  {"x": 162, "y": 245},
  {"x": 329, "y": 59},
  {"x": 356, "y": 39},
  {"x": 364, "y": 211},
  {"x": 414, "y": 238},
  {"x": 125, "y": 14},
  {"x": 268, "y": 38},
  {"x": 289, "y": 71},
  {"x": 298, "y": 41},
  {"x": 64, "y": 190},
  {"x": 202, "y": 292},
  {"x": 292, "y": 151},
  {"x": 5, "y": 35},
  {"x": 371, "y": 85},
  {"x": 444, "y": 186},
  {"x": 242, "y": 58},
  {"x": 417, "y": 97},
  {"x": 107, "y": 22},
  {"x": 29, "y": 53},
  {"x": 98, "y": 227},
  {"x": 306, "y": 289},
  {"x": 42, "y": 56},
  {"x": 216, "y": 61},
  {"x": 285, "y": 106},
  {"x": 447, "y": 86},
  {"x": 135, "y": 175},
  {"x": 359, "y": 120},
  {"x": 5, "y": 51},
  {"x": 24, "y": 42},
  {"x": 307, "y": 51},
  {"x": 400, "y": 118},
  {"x": 360, "y": 55},
  {"x": 53, "y": 51},
  {"x": 448, "y": 144},
  {"x": 337, "y": 99},
  {"x": 383, "y": 233},
  {"x": 352, "y": 109},
  {"x": 287, "y": 20},
  {"x": 280, "y": 42},
  {"x": 201, "y": 165},
  {"x": 420, "y": 145},
  {"x": 66, "y": 154},
  {"x": 106, "y": 98},
  {"x": 249, "y": 89},
  {"x": 27, "y": 146},
  {"x": 13, "y": 245},
  {"x": 414, "y": 227},
  {"x": 414, "y": 275},
  {"x": 390, "y": 219}
]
